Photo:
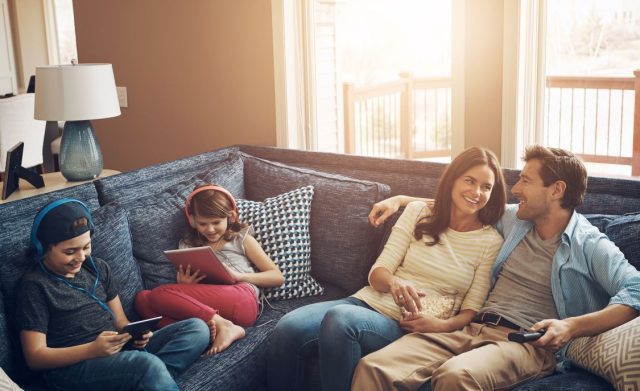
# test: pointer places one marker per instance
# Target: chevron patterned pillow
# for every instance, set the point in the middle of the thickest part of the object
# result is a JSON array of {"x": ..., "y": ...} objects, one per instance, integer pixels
[
  {"x": 614, "y": 355},
  {"x": 281, "y": 226}
]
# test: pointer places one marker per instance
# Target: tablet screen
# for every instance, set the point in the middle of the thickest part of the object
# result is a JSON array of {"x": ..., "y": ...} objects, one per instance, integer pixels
[
  {"x": 203, "y": 259},
  {"x": 139, "y": 328}
]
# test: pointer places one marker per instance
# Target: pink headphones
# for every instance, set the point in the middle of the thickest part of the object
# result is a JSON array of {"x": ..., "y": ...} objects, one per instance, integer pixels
[{"x": 204, "y": 188}]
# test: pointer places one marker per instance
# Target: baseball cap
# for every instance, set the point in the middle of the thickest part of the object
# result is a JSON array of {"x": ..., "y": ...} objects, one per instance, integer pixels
[{"x": 58, "y": 224}]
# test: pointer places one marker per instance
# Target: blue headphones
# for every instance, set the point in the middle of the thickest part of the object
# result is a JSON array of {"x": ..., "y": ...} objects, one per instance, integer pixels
[
  {"x": 38, "y": 246},
  {"x": 35, "y": 242}
]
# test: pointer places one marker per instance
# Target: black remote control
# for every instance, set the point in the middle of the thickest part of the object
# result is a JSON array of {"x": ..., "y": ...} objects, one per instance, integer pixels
[{"x": 525, "y": 336}]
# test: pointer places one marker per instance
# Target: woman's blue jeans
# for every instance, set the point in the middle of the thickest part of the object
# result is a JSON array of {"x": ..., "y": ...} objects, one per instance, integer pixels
[
  {"x": 170, "y": 351},
  {"x": 338, "y": 331}
]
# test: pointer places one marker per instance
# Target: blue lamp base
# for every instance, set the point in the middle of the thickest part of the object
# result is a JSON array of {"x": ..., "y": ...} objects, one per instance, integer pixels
[{"x": 80, "y": 154}]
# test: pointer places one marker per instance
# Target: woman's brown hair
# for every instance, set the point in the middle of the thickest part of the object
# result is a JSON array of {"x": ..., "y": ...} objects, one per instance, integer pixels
[
  {"x": 212, "y": 204},
  {"x": 439, "y": 220}
]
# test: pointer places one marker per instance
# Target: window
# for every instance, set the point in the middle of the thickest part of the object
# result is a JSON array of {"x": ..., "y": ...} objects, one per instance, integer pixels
[
  {"x": 61, "y": 33},
  {"x": 370, "y": 77},
  {"x": 574, "y": 84}
]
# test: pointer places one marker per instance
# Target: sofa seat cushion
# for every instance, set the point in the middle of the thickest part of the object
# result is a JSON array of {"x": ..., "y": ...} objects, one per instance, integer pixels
[
  {"x": 243, "y": 365},
  {"x": 158, "y": 222},
  {"x": 281, "y": 225},
  {"x": 338, "y": 217}
]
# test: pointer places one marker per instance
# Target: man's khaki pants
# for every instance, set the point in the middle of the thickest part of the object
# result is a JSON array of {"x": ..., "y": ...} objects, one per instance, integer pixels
[{"x": 478, "y": 357}]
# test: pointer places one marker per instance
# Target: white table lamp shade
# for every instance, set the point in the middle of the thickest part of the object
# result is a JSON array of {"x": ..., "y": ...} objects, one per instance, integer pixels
[{"x": 76, "y": 92}]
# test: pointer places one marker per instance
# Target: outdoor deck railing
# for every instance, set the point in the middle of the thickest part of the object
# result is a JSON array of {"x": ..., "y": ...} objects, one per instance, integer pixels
[{"x": 595, "y": 117}]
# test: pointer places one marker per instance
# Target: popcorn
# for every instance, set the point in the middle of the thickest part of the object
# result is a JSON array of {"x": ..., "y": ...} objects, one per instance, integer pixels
[{"x": 435, "y": 303}]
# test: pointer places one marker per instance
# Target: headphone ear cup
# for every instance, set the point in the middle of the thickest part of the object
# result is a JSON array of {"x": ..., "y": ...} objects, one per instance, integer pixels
[
  {"x": 192, "y": 222},
  {"x": 39, "y": 249}
]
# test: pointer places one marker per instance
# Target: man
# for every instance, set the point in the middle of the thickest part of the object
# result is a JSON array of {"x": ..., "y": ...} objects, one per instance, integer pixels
[{"x": 555, "y": 272}]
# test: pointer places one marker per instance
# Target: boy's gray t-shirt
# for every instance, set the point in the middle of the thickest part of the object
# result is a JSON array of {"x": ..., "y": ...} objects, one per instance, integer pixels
[
  {"x": 522, "y": 292},
  {"x": 67, "y": 316}
]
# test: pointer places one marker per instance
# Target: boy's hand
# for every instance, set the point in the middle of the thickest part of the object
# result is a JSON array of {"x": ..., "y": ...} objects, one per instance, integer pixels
[
  {"x": 109, "y": 343},
  {"x": 141, "y": 343},
  {"x": 186, "y": 277}
]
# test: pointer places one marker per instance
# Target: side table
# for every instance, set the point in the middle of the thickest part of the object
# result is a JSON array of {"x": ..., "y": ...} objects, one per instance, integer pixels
[{"x": 52, "y": 181}]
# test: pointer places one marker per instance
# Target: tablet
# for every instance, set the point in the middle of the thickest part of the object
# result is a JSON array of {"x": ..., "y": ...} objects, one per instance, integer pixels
[
  {"x": 203, "y": 259},
  {"x": 141, "y": 327}
]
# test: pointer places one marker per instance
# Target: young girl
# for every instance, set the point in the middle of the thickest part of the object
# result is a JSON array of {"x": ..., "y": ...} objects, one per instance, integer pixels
[
  {"x": 68, "y": 311},
  {"x": 213, "y": 219},
  {"x": 449, "y": 245}
]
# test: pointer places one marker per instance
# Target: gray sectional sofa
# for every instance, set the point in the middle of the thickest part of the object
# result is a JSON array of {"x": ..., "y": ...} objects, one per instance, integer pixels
[{"x": 138, "y": 214}]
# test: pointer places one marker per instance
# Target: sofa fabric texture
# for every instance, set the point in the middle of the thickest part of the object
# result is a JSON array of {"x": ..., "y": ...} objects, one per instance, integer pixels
[{"x": 140, "y": 213}]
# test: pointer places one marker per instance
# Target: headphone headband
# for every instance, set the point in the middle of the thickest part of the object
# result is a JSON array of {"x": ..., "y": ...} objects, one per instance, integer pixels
[
  {"x": 204, "y": 188},
  {"x": 35, "y": 242}
]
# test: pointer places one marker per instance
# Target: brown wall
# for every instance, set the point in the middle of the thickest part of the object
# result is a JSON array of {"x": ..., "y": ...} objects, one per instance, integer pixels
[
  {"x": 199, "y": 75},
  {"x": 483, "y": 73}
]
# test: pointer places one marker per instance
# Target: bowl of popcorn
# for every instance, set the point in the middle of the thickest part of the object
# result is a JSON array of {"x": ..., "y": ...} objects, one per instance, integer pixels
[{"x": 438, "y": 303}]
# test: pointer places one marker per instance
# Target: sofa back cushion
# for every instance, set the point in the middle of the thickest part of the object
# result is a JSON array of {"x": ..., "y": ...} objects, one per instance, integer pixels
[
  {"x": 158, "y": 221},
  {"x": 112, "y": 242},
  {"x": 153, "y": 179},
  {"x": 343, "y": 243}
]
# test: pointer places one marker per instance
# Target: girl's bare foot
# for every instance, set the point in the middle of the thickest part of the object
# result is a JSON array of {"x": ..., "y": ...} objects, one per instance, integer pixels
[
  {"x": 226, "y": 333},
  {"x": 212, "y": 329}
]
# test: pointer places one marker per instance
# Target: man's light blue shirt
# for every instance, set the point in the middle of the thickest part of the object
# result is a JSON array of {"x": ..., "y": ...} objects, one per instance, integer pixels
[{"x": 588, "y": 271}]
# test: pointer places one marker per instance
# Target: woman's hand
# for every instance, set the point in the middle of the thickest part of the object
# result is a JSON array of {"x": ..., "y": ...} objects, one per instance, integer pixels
[
  {"x": 109, "y": 343},
  {"x": 186, "y": 277},
  {"x": 406, "y": 295},
  {"x": 422, "y": 323},
  {"x": 141, "y": 343},
  {"x": 383, "y": 209}
]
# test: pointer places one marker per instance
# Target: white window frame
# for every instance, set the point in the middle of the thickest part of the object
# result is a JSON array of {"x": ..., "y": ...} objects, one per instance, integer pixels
[
  {"x": 523, "y": 82},
  {"x": 289, "y": 73},
  {"x": 51, "y": 31}
]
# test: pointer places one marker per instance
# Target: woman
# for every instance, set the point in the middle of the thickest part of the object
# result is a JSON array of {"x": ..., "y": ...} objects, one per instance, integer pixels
[{"x": 449, "y": 245}]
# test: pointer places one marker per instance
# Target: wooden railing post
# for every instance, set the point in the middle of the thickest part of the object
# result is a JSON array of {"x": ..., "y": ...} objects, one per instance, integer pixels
[
  {"x": 406, "y": 116},
  {"x": 349, "y": 118},
  {"x": 635, "y": 157}
]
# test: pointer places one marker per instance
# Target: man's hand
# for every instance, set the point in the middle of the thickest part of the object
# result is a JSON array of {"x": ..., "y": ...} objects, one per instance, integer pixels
[
  {"x": 421, "y": 323},
  {"x": 557, "y": 334},
  {"x": 109, "y": 343},
  {"x": 383, "y": 209},
  {"x": 186, "y": 277}
]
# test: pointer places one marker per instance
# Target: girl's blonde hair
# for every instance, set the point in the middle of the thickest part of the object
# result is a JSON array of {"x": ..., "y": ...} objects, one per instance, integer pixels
[{"x": 212, "y": 204}]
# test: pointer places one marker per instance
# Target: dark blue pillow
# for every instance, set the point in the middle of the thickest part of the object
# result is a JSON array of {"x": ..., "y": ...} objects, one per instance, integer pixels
[
  {"x": 624, "y": 231},
  {"x": 601, "y": 221},
  {"x": 158, "y": 222}
]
